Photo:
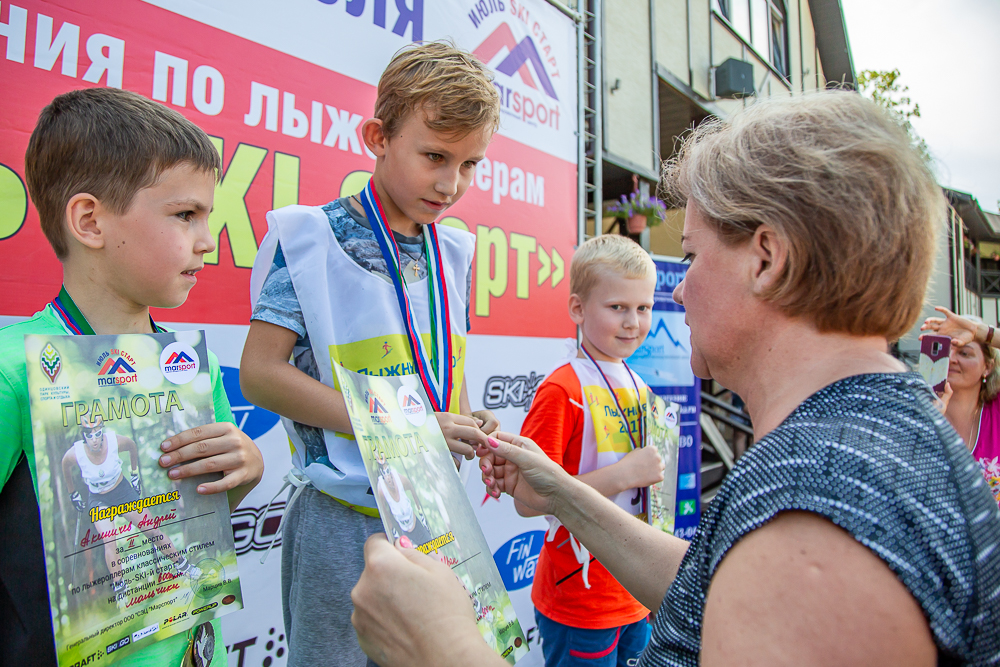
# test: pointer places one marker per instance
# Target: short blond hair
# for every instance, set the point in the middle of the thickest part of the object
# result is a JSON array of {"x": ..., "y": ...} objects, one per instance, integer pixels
[
  {"x": 452, "y": 87},
  {"x": 834, "y": 175},
  {"x": 608, "y": 252}
]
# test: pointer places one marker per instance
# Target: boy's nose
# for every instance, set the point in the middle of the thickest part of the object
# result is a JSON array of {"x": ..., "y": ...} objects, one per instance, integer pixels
[
  {"x": 205, "y": 243},
  {"x": 448, "y": 184}
]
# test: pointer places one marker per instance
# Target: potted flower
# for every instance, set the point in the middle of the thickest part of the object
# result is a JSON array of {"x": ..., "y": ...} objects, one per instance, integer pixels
[{"x": 638, "y": 211}]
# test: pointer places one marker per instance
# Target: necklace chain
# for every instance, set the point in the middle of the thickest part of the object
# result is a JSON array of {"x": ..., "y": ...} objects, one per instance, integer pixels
[
  {"x": 415, "y": 260},
  {"x": 970, "y": 443}
]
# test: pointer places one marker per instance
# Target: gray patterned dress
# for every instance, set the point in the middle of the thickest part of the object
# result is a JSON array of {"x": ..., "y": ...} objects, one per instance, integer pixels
[{"x": 871, "y": 454}]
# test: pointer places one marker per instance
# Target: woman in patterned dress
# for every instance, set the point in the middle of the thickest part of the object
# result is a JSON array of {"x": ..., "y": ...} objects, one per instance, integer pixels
[{"x": 857, "y": 530}]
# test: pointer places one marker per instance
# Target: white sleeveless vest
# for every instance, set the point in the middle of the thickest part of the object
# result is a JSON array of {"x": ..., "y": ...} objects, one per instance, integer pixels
[
  {"x": 605, "y": 439},
  {"x": 99, "y": 478},
  {"x": 352, "y": 318}
]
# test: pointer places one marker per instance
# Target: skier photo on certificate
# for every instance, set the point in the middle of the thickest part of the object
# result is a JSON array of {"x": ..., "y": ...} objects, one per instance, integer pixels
[
  {"x": 407, "y": 514},
  {"x": 96, "y": 456}
]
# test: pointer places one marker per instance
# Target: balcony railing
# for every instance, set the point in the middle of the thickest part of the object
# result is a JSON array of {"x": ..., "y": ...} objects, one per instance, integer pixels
[{"x": 984, "y": 282}]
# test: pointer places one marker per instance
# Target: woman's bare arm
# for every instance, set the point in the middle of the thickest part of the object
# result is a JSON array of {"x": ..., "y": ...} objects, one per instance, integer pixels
[{"x": 801, "y": 591}]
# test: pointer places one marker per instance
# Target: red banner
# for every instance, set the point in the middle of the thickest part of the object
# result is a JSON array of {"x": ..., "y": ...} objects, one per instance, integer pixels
[{"x": 289, "y": 132}]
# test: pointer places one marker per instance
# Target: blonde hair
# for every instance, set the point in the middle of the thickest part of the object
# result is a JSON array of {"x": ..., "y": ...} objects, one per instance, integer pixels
[
  {"x": 451, "y": 86},
  {"x": 835, "y": 176},
  {"x": 608, "y": 252},
  {"x": 991, "y": 357}
]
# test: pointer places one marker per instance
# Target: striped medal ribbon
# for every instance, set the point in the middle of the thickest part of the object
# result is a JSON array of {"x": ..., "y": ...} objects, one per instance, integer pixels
[
  {"x": 641, "y": 442},
  {"x": 74, "y": 320},
  {"x": 433, "y": 369}
]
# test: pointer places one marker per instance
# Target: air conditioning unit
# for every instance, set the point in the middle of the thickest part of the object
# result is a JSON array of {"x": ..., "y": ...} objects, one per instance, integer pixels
[{"x": 734, "y": 79}]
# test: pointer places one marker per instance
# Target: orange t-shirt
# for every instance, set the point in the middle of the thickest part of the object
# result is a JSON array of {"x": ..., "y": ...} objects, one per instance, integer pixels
[{"x": 555, "y": 423}]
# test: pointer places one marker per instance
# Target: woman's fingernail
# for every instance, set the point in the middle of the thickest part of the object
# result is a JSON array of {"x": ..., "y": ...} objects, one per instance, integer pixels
[
  {"x": 493, "y": 443},
  {"x": 202, "y": 489},
  {"x": 164, "y": 460},
  {"x": 174, "y": 474},
  {"x": 405, "y": 542},
  {"x": 164, "y": 445},
  {"x": 483, "y": 468}
]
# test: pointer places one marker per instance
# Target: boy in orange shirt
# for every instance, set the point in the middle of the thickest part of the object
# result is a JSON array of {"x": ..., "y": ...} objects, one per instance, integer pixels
[{"x": 587, "y": 417}]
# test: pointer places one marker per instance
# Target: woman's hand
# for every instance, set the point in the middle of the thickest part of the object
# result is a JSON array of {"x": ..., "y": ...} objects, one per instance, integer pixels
[
  {"x": 410, "y": 609},
  {"x": 960, "y": 330},
  {"x": 941, "y": 402},
  {"x": 518, "y": 467}
]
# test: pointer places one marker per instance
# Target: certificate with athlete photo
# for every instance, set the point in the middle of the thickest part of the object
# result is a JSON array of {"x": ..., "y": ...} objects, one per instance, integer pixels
[
  {"x": 132, "y": 556},
  {"x": 421, "y": 498},
  {"x": 663, "y": 427}
]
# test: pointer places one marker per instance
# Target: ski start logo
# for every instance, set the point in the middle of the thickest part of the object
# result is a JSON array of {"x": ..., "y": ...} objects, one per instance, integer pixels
[
  {"x": 528, "y": 66},
  {"x": 117, "y": 367},
  {"x": 377, "y": 408},
  {"x": 179, "y": 363},
  {"x": 412, "y": 405}
]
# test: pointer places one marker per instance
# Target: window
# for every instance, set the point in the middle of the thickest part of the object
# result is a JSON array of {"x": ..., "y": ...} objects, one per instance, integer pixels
[
  {"x": 762, "y": 24},
  {"x": 778, "y": 37}
]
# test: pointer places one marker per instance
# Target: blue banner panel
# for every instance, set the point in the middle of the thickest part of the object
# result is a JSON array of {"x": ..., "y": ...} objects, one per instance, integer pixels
[{"x": 664, "y": 362}]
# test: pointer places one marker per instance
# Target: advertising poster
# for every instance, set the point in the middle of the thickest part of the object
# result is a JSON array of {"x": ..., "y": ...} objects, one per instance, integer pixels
[
  {"x": 420, "y": 496},
  {"x": 282, "y": 89},
  {"x": 132, "y": 557},
  {"x": 664, "y": 362},
  {"x": 663, "y": 421}
]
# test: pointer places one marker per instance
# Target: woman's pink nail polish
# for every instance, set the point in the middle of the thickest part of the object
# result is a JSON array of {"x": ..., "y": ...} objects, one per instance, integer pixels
[{"x": 493, "y": 443}]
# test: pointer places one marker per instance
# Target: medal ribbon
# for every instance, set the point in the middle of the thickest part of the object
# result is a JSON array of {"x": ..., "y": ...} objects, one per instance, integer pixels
[
  {"x": 71, "y": 317},
  {"x": 434, "y": 370},
  {"x": 621, "y": 413}
]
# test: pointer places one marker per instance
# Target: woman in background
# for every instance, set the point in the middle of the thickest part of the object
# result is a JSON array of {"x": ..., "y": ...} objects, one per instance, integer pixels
[{"x": 974, "y": 380}]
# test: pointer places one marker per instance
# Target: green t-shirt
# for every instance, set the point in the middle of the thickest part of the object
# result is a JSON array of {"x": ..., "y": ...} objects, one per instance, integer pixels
[{"x": 15, "y": 438}]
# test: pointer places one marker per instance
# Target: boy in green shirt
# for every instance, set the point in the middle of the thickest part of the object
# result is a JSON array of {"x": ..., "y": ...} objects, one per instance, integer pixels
[{"x": 123, "y": 187}]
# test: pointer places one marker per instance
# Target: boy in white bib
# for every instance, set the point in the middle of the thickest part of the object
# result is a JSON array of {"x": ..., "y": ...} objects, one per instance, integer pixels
[{"x": 328, "y": 287}]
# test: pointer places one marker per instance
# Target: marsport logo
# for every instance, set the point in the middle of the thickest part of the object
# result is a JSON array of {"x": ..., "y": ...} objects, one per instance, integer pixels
[
  {"x": 117, "y": 367},
  {"x": 526, "y": 89},
  {"x": 412, "y": 405},
  {"x": 51, "y": 362},
  {"x": 377, "y": 408},
  {"x": 179, "y": 363},
  {"x": 670, "y": 416}
]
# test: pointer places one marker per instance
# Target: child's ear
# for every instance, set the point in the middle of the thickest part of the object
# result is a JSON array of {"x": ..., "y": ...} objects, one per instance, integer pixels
[
  {"x": 83, "y": 220},
  {"x": 576, "y": 309},
  {"x": 375, "y": 139}
]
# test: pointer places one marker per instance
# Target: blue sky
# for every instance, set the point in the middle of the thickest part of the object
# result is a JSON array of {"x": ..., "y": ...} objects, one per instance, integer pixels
[{"x": 948, "y": 53}]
